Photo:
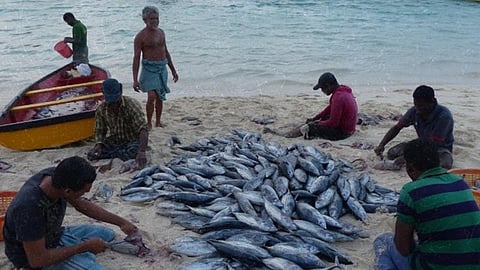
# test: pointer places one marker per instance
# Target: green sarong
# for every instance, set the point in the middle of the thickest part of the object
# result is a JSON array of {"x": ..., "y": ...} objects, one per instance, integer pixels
[{"x": 154, "y": 76}]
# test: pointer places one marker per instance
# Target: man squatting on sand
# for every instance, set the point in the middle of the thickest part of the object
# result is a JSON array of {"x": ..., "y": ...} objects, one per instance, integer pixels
[
  {"x": 431, "y": 121},
  {"x": 122, "y": 119},
  {"x": 33, "y": 232},
  {"x": 337, "y": 121},
  {"x": 440, "y": 209},
  {"x": 150, "y": 42}
]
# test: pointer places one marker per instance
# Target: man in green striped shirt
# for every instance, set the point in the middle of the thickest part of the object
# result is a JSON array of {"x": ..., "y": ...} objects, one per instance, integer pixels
[{"x": 440, "y": 209}]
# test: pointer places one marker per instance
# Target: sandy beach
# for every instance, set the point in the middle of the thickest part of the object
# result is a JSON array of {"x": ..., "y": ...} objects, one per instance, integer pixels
[{"x": 218, "y": 116}]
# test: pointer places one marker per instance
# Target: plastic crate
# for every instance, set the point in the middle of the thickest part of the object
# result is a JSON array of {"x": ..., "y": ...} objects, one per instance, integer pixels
[
  {"x": 5, "y": 198},
  {"x": 470, "y": 175}
]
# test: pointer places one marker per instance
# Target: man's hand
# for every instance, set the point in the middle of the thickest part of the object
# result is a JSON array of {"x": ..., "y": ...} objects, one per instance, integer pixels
[
  {"x": 379, "y": 150},
  {"x": 141, "y": 159},
  {"x": 128, "y": 228},
  {"x": 96, "y": 245},
  {"x": 136, "y": 86},
  {"x": 95, "y": 153},
  {"x": 175, "y": 77}
]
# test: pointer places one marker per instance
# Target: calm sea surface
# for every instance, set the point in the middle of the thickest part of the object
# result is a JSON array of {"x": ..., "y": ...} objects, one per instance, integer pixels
[{"x": 231, "y": 48}]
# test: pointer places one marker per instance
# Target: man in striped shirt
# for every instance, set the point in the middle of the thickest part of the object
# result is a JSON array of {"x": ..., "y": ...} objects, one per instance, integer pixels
[
  {"x": 120, "y": 127},
  {"x": 440, "y": 209}
]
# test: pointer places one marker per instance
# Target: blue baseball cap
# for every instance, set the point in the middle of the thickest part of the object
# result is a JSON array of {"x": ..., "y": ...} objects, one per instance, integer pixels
[{"x": 112, "y": 90}]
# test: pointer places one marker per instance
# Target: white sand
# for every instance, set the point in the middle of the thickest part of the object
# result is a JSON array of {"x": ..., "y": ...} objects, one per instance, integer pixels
[{"x": 219, "y": 116}]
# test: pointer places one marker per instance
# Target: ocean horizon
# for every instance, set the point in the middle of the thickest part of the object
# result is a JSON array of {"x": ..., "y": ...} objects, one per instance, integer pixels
[{"x": 243, "y": 48}]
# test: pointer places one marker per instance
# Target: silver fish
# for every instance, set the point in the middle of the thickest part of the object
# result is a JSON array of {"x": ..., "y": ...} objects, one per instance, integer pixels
[
  {"x": 300, "y": 175},
  {"x": 241, "y": 251},
  {"x": 329, "y": 252},
  {"x": 161, "y": 176},
  {"x": 217, "y": 263},
  {"x": 343, "y": 187},
  {"x": 288, "y": 204},
  {"x": 279, "y": 217},
  {"x": 141, "y": 196},
  {"x": 262, "y": 224},
  {"x": 316, "y": 185},
  {"x": 308, "y": 166},
  {"x": 315, "y": 230},
  {"x": 309, "y": 213},
  {"x": 280, "y": 184},
  {"x": 172, "y": 141},
  {"x": 271, "y": 195},
  {"x": 279, "y": 263},
  {"x": 299, "y": 256},
  {"x": 357, "y": 209},
  {"x": 191, "y": 246},
  {"x": 325, "y": 198}
]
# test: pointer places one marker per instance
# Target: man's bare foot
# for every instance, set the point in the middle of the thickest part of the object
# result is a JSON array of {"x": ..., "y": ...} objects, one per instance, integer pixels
[
  {"x": 149, "y": 125},
  {"x": 159, "y": 125}
]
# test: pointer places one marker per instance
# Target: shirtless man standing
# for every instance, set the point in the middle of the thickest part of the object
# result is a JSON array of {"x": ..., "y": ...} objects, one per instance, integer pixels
[{"x": 151, "y": 44}]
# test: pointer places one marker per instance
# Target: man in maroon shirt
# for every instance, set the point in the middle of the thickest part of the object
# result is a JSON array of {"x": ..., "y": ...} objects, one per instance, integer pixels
[{"x": 336, "y": 122}]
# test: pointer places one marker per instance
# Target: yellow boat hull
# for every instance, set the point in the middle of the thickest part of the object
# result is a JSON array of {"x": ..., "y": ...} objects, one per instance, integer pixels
[{"x": 48, "y": 136}]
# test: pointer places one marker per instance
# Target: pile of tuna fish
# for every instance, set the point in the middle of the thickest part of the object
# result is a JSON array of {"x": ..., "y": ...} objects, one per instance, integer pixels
[{"x": 260, "y": 205}]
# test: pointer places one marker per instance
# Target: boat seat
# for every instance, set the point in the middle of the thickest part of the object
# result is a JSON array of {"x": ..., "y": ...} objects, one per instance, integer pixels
[
  {"x": 55, "y": 102},
  {"x": 63, "y": 87}
]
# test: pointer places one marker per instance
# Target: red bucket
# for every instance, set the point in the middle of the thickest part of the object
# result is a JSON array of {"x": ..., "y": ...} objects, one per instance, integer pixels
[{"x": 63, "y": 49}]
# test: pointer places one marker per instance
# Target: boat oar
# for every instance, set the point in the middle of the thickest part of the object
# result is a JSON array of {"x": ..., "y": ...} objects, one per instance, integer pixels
[
  {"x": 64, "y": 87},
  {"x": 55, "y": 102}
]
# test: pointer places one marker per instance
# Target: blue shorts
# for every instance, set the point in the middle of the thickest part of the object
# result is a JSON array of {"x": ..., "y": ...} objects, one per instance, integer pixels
[
  {"x": 387, "y": 256},
  {"x": 76, "y": 234}
]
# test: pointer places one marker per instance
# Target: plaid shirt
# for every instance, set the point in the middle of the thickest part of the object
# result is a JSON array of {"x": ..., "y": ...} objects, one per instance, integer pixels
[{"x": 122, "y": 127}]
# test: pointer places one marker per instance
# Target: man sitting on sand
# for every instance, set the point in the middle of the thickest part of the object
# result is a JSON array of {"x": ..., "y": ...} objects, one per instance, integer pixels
[
  {"x": 122, "y": 118},
  {"x": 430, "y": 120},
  {"x": 33, "y": 232},
  {"x": 440, "y": 209},
  {"x": 335, "y": 122}
]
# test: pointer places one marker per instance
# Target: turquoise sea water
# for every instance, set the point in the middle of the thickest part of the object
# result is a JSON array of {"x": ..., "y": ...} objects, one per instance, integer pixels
[{"x": 226, "y": 47}]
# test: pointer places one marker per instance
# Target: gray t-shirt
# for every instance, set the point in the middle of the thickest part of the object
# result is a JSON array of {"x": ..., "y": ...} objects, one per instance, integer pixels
[{"x": 31, "y": 216}]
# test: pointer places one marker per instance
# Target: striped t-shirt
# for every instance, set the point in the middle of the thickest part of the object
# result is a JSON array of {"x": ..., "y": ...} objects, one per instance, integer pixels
[
  {"x": 446, "y": 218},
  {"x": 123, "y": 126}
]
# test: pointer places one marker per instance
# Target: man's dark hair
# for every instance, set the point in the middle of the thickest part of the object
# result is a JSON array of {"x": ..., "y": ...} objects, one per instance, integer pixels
[
  {"x": 68, "y": 16},
  {"x": 74, "y": 173},
  {"x": 422, "y": 154},
  {"x": 424, "y": 92}
]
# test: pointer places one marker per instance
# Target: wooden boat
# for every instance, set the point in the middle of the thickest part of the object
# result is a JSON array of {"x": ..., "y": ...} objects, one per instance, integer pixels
[{"x": 54, "y": 111}]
